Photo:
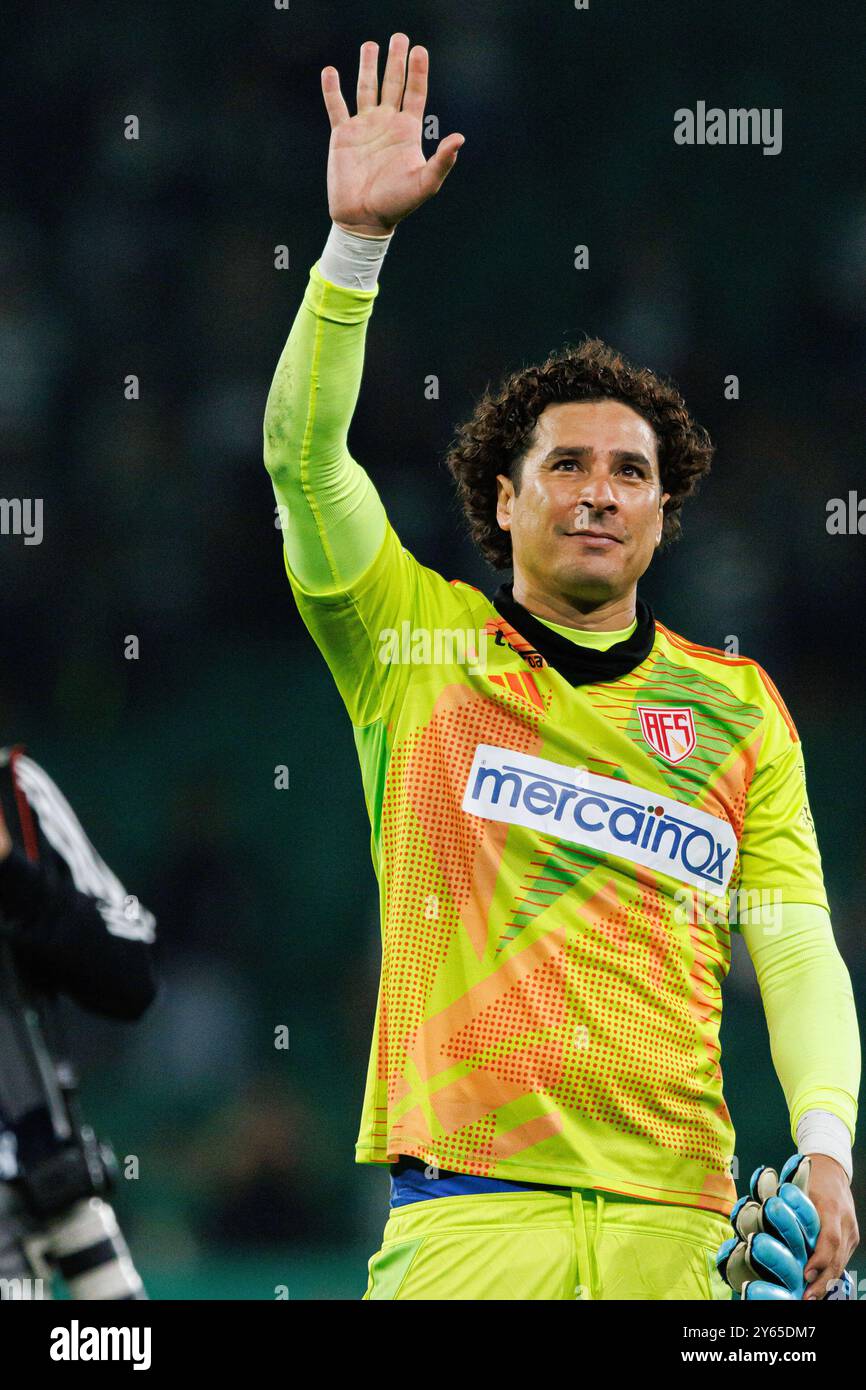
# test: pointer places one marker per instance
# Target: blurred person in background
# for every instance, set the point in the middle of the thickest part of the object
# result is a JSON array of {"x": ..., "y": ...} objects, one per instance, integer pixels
[{"x": 72, "y": 925}]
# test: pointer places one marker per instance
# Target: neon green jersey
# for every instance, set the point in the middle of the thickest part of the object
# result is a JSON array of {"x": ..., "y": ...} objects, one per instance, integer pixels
[{"x": 555, "y": 865}]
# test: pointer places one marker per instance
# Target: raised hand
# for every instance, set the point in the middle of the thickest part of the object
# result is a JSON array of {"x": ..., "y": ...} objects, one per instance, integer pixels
[{"x": 377, "y": 173}]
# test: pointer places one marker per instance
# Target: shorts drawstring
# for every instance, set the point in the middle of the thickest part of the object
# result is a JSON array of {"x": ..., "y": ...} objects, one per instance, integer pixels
[
  {"x": 596, "y": 1238},
  {"x": 588, "y": 1276}
]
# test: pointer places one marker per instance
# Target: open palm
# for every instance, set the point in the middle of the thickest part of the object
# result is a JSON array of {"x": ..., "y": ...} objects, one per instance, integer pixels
[{"x": 377, "y": 173}]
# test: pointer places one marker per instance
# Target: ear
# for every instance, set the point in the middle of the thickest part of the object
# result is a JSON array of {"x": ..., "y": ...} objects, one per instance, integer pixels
[
  {"x": 504, "y": 501},
  {"x": 665, "y": 497}
]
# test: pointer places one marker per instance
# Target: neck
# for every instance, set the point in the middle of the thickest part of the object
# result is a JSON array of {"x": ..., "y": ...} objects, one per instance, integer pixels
[{"x": 611, "y": 615}]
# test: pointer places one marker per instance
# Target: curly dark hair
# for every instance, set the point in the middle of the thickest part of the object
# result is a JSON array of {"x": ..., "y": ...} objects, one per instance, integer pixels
[{"x": 497, "y": 436}]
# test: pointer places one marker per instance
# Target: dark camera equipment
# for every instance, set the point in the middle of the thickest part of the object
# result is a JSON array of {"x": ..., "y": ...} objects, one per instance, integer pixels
[{"x": 54, "y": 1173}]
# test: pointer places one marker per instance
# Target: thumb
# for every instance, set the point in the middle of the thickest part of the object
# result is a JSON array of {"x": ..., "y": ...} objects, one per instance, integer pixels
[{"x": 440, "y": 164}]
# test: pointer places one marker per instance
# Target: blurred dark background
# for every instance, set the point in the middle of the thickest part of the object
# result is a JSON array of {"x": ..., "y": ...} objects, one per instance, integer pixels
[{"x": 155, "y": 257}]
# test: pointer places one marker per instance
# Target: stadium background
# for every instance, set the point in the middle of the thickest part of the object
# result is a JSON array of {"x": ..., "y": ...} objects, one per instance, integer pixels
[{"x": 155, "y": 257}]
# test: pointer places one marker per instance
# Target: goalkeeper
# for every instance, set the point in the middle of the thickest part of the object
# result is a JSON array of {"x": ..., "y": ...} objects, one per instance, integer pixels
[{"x": 560, "y": 810}]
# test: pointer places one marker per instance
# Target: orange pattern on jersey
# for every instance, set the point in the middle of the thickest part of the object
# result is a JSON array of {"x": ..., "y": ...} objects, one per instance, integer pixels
[{"x": 715, "y": 654}]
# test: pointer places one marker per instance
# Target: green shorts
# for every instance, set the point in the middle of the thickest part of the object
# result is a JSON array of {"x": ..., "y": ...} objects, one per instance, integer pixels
[{"x": 542, "y": 1245}]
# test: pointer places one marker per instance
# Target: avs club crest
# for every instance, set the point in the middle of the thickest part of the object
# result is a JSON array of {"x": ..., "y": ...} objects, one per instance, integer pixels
[{"x": 668, "y": 730}]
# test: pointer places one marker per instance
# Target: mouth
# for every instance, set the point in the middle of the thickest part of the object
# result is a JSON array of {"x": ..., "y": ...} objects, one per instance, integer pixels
[{"x": 600, "y": 539}]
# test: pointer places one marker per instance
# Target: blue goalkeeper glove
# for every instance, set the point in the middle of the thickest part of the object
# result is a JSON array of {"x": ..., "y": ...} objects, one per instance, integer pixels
[{"x": 776, "y": 1229}]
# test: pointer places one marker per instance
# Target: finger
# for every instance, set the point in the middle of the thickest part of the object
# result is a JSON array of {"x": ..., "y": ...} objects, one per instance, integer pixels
[
  {"x": 819, "y": 1286},
  {"x": 828, "y": 1248},
  {"x": 440, "y": 164},
  {"x": 336, "y": 107},
  {"x": 395, "y": 71},
  {"x": 415, "y": 96},
  {"x": 825, "y": 1264},
  {"x": 815, "y": 1274},
  {"x": 368, "y": 76}
]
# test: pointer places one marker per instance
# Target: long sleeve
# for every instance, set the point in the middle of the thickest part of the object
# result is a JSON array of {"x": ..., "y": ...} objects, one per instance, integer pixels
[
  {"x": 332, "y": 517},
  {"x": 809, "y": 1006},
  {"x": 69, "y": 919}
]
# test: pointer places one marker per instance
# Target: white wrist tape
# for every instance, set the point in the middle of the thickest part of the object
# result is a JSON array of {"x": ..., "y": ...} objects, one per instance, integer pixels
[
  {"x": 353, "y": 261},
  {"x": 819, "y": 1132}
]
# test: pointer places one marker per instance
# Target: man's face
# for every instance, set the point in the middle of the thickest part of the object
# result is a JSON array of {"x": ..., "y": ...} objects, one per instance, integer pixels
[{"x": 588, "y": 516}]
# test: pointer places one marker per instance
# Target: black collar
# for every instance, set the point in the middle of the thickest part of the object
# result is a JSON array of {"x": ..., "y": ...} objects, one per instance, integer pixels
[{"x": 580, "y": 665}]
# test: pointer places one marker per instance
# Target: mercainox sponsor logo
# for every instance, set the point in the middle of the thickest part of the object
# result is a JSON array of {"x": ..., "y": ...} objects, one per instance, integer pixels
[
  {"x": 602, "y": 813},
  {"x": 739, "y": 125}
]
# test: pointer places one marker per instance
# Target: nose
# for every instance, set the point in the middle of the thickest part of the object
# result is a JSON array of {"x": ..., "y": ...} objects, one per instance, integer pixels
[{"x": 596, "y": 493}]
